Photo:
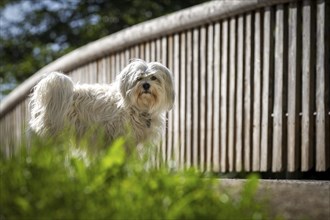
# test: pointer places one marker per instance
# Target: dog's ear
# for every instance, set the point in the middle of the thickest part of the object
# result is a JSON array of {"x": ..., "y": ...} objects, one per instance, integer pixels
[
  {"x": 169, "y": 88},
  {"x": 123, "y": 79},
  {"x": 128, "y": 74},
  {"x": 168, "y": 83}
]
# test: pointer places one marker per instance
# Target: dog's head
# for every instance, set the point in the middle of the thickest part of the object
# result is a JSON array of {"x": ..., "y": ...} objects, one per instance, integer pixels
[{"x": 147, "y": 86}]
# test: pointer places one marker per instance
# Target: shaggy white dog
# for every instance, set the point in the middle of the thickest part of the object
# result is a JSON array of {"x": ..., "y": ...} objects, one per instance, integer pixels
[{"x": 135, "y": 102}]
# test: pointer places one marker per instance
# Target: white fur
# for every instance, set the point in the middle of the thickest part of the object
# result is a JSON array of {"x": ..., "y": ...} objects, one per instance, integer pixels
[{"x": 57, "y": 103}]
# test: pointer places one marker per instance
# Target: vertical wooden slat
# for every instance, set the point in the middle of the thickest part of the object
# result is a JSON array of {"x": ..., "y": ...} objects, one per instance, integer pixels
[
  {"x": 8, "y": 129},
  {"x": 92, "y": 72},
  {"x": 136, "y": 52},
  {"x": 142, "y": 51},
  {"x": 100, "y": 75},
  {"x": 232, "y": 93},
  {"x": 293, "y": 89},
  {"x": 322, "y": 151},
  {"x": 153, "y": 51},
  {"x": 165, "y": 131},
  {"x": 113, "y": 73},
  {"x": 170, "y": 114},
  {"x": 122, "y": 60},
  {"x": 82, "y": 74},
  {"x": 26, "y": 113},
  {"x": 158, "y": 51},
  {"x": 76, "y": 75},
  {"x": 103, "y": 65},
  {"x": 278, "y": 124},
  {"x": 203, "y": 101},
  {"x": 108, "y": 70},
  {"x": 196, "y": 103},
  {"x": 256, "y": 93},
  {"x": 127, "y": 57},
  {"x": 210, "y": 101},
  {"x": 189, "y": 116},
  {"x": 216, "y": 111},
  {"x": 248, "y": 67},
  {"x": 131, "y": 54},
  {"x": 117, "y": 63},
  {"x": 147, "y": 52},
  {"x": 183, "y": 99},
  {"x": 224, "y": 94},
  {"x": 307, "y": 89},
  {"x": 327, "y": 78},
  {"x": 239, "y": 96},
  {"x": 177, "y": 102},
  {"x": 267, "y": 75},
  {"x": 17, "y": 127}
]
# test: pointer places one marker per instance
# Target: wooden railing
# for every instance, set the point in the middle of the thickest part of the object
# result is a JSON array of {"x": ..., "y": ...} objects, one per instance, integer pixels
[{"x": 252, "y": 82}]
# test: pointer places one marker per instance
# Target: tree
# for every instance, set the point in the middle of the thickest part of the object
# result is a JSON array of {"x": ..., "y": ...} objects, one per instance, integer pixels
[{"x": 42, "y": 30}]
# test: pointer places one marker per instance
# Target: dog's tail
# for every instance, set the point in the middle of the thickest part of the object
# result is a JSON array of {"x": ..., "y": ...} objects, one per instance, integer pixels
[{"x": 50, "y": 102}]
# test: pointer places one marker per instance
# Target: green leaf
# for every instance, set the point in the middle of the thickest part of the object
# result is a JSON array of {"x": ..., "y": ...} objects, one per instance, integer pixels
[{"x": 115, "y": 155}]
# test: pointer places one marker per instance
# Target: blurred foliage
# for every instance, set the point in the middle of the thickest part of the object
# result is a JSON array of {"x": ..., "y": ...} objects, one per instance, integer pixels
[
  {"x": 54, "y": 180},
  {"x": 45, "y": 30}
]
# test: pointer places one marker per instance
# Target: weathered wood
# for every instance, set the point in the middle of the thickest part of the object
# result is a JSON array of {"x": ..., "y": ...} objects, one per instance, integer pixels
[
  {"x": 267, "y": 75},
  {"x": 127, "y": 57},
  {"x": 92, "y": 72},
  {"x": 248, "y": 67},
  {"x": 113, "y": 72},
  {"x": 322, "y": 152},
  {"x": 210, "y": 103},
  {"x": 183, "y": 99},
  {"x": 216, "y": 127},
  {"x": 202, "y": 95},
  {"x": 239, "y": 96},
  {"x": 153, "y": 51},
  {"x": 224, "y": 97},
  {"x": 189, "y": 101},
  {"x": 147, "y": 52},
  {"x": 232, "y": 93},
  {"x": 177, "y": 102},
  {"x": 196, "y": 103},
  {"x": 165, "y": 131},
  {"x": 117, "y": 64},
  {"x": 136, "y": 52},
  {"x": 293, "y": 89},
  {"x": 102, "y": 70},
  {"x": 137, "y": 34},
  {"x": 279, "y": 73},
  {"x": 327, "y": 79},
  {"x": 169, "y": 63},
  {"x": 307, "y": 89},
  {"x": 256, "y": 93},
  {"x": 158, "y": 51},
  {"x": 142, "y": 51}
]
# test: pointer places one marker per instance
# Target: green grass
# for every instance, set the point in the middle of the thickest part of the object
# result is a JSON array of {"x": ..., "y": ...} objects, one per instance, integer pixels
[{"x": 53, "y": 180}]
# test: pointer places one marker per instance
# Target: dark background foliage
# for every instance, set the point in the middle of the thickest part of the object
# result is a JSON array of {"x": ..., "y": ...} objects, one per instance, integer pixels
[{"x": 36, "y": 32}]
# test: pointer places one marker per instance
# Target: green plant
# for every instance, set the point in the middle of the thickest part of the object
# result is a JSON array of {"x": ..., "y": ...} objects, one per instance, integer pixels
[{"x": 54, "y": 180}]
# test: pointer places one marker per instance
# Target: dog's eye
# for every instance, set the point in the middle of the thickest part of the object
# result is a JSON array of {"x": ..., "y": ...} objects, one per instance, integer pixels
[
  {"x": 153, "y": 78},
  {"x": 139, "y": 79}
]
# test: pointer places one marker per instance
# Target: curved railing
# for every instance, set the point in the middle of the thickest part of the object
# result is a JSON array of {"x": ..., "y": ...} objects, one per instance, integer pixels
[{"x": 251, "y": 77}]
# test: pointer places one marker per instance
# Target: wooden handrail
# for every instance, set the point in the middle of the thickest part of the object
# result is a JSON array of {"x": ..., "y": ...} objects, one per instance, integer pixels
[{"x": 172, "y": 23}]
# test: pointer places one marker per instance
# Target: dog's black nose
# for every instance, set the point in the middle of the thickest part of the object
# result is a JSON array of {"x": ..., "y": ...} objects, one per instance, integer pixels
[{"x": 146, "y": 86}]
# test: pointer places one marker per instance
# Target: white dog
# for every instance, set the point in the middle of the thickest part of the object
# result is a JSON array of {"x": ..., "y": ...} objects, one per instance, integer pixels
[{"x": 136, "y": 101}]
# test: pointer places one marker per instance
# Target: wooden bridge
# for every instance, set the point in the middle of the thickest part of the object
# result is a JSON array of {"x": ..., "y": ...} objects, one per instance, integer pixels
[{"x": 252, "y": 82}]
